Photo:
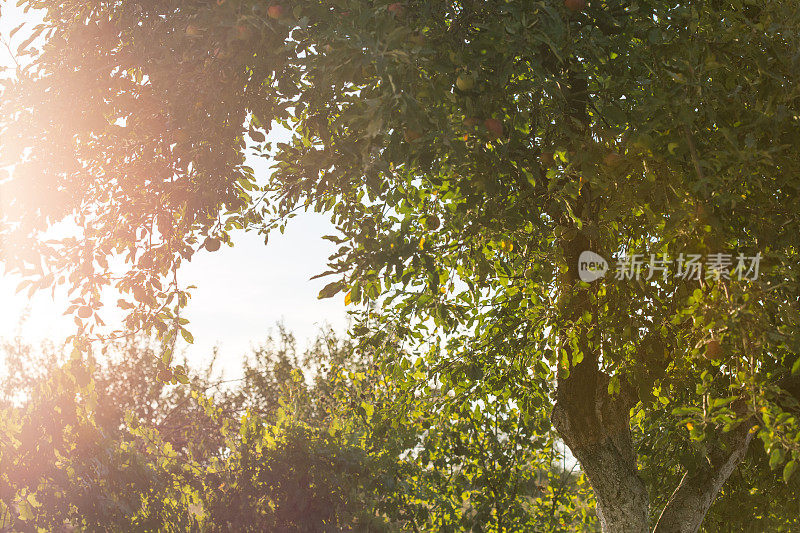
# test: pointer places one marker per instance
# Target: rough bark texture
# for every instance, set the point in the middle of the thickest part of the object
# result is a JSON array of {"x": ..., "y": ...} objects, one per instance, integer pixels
[
  {"x": 596, "y": 425},
  {"x": 688, "y": 505},
  {"x": 596, "y": 428}
]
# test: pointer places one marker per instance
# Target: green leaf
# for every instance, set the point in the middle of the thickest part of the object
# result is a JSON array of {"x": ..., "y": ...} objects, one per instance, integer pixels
[
  {"x": 331, "y": 289},
  {"x": 187, "y": 336},
  {"x": 788, "y": 470},
  {"x": 369, "y": 409},
  {"x": 776, "y": 457}
]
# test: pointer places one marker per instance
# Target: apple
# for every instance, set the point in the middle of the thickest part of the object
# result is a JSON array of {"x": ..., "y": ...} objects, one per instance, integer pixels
[
  {"x": 494, "y": 126},
  {"x": 547, "y": 159},
  {"x": 713, "y": 349},
  {"x": 612, "y": 159},
  {"x": 465, "y": 82},
  {"x": 276, "y": 11},
  {"x": 212, "y": 244},
  {"x": 412, "y": 135},
  {"x": 575, "y": 5},
  {"x": 84, "y": 311},
  {"x": 139, "y": 294},
  {"x": 433, "y": 223},
  {"x": 193, "y": 31},
  {"x": 397, "y": 9}
]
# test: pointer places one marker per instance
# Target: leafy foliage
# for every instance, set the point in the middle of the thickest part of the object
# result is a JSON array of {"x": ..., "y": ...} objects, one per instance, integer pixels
[
  {"x": 467, "y": 152},
  {"x": 277, "y": 452}
]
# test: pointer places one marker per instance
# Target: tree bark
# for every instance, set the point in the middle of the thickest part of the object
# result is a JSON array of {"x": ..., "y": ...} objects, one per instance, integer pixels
[
  {"x": 596, "y": 428},
  {"x": 688, "y": 505},
  {"x": 596, "y": 425}
]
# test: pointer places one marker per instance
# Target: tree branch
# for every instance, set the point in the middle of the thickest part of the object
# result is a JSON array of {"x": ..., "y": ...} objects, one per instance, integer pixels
[{"x": 688, "y": 505}]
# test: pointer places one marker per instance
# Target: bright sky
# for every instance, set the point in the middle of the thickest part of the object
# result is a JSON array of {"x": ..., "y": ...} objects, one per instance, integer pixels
[{"x": 242, "y": 292}]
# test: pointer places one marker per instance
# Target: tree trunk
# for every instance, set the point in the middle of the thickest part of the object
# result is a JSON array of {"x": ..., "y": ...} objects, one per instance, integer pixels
[
  {"x": 596, "y": 428},
  {"x": 596, "y": 425}
]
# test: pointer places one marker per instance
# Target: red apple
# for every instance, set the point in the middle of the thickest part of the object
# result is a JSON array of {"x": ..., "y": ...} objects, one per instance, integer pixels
[
  {"x": 276, "y": 11},
  {"x": 713, "y": 349},
  {"x": 612, "y": 159},
  {"x": 397, "y": 9},
  {"x": 412, "y": 135},
  {"x": 575, "y": 5},
  {"x": 494, "y": 126}
]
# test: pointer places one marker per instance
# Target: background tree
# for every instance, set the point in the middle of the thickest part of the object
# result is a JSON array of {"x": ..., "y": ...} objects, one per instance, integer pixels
[
  {"x": 274, "y": 451},
  {"x": 468, "y": 153}
]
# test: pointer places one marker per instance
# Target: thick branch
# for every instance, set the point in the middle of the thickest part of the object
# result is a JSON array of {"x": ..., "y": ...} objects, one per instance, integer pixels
[
  {"x": 596, "y": 425},
  {"x": 688, "y": 505},
  {"x": 600, "y": 439}
]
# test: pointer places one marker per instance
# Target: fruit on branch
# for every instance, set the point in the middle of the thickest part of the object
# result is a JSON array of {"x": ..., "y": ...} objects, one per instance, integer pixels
[
  {"x": 465, "y": 81},
  {"x": 713, "y": 349},
  {"x": 212, "y": 244},
  {"x": 494, "y": 126},
  {"x": 276, "y": 11},
  {"x": 612, "y": 159},
  {"x": 397, "y": 9},
  {"x": 575, "y": 5},
  {"x": 411, "y": 135}
]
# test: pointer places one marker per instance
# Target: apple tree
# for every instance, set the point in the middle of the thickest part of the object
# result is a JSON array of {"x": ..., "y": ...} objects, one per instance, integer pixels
[{"x": 468, "y": 153}]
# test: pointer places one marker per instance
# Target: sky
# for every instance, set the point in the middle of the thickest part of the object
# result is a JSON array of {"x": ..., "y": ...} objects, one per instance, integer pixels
[{"x": 242, "y": 292}]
